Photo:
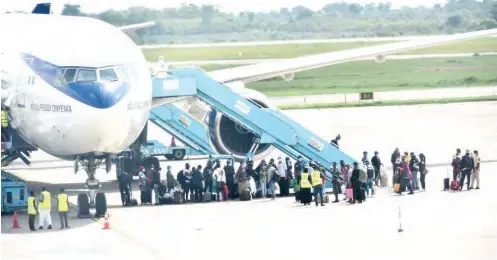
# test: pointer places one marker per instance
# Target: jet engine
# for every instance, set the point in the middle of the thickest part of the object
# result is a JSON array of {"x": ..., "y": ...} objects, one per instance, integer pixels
[
  {"x": 230, "y": 137},
  {"x": 380, "y": 58}
]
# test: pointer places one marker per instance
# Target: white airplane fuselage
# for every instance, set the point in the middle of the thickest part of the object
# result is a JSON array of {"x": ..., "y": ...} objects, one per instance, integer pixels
[{"x": 75, "y": 85}]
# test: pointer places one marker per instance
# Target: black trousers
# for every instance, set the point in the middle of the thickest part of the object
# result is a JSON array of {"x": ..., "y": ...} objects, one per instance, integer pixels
[
  {"x": 422, "y": 180},
  {"x": 198, "y": 194},
  {"x": 32, "y": 222},
  {"x": 208, "y": 185},
  {"x": 463, "y": 176},
  {"x": 356, "y": 186},
  {"x": 186, "y": 191},
  {"x": 454, "y": 174},
  {"x": 336, "y": 189},
  {"x": 376, "y": 175},
  {"x": 283, "y": 183},
  {"x": 297, "y": 178},
  {"x": 125, "y": 194},
  {"x": 233, "y": 189},
  {"x": 405, "y": 183}
]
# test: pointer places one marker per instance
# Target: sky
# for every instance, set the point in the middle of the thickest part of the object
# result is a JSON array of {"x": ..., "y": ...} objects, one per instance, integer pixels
[{"x": 224, "y": 5}]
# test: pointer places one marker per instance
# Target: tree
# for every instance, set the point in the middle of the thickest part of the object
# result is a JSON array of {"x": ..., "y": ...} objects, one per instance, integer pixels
[
  {"x": 301, "y": 12},
  {"x": 454, "y": 21},
  {"x": 74, "y": 10},
  {"x": 208, "y": 12},
  {"x": 355, "y": 9},
  {"x": 493, "y": 12}
]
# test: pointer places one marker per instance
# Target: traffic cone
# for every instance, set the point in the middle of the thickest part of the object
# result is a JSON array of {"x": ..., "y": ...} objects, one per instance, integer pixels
[
  {"x": 173, "y": 141},
  {"x": 106, "y": 223},
  {"x": 15, "y": 221}
]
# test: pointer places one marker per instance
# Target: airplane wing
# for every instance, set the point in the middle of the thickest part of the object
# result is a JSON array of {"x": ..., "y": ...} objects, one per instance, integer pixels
[
  {"x": 133, "y": 27},
  {"x": 271, "y": 69}
]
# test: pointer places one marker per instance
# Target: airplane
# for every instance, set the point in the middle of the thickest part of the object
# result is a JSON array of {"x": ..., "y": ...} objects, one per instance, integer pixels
[{"x": 80, "y": 89}]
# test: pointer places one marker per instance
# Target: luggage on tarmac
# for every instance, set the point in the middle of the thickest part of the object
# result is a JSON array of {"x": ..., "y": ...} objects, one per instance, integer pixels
[
  {"x": 396, "y": 187},
  {"x": 245, "y": 195},
  {"x": 384, "y": 180},
  {"x": 207, "y": 197},
  {"x": 455, "y": 185},
  {"x": 349, "y": 193},
  {"x": 133, "y": 202},
  {"x": 446, "y": 184}
]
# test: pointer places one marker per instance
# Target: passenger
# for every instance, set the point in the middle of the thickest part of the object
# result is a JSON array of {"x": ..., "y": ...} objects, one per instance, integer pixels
[
  {"x": 63, "y": 208},
  {"x": 406, "y": 154},
  {"x": 414, "y": 168},
  {"x": 364, "y": 157},
  {"x": 44, "y": 208},
  {"x": 229, "y": 171},
  {"x": 345, "y": 169},
  {"x": 124, "y": 187},
  {"x": 423, "y": 170},
  {"x": 258, "y": 180},
  {"x": 376, "y": 162},
  {"x": 220, "y": 179},
  {"x": 143, "y": 186},
  {"x": 217, "y": 164},
  {"x": 356, "y": 184},
  {"x": 263, "y": 180},
  {"x": 406, "y": 177},
  {"x": 242, "y": 178},
  {"x": 289, "y": 173},
  {"x": 476, "y": 171},
  {"x": 467, "y": 166},
  {"x": 197, "y": 184},
  {"x": 171, "y": 182},
  {"x": 395, "y": 159},
  {"x": 305, "y": 187},
  {"x": 182, "y": 179},
  {"x": 157, "y": 183},
  {"x": 273, "y": 178},
  {"x": 208, "y": 175},
  {"x": 369, "y": 183},
  {"x": 335, "y": 180},
  {"x": 32, "y": 210},
  {"x": 283, "y": 182},
  {"x": 456, "y": 163},
  {"x": 299, "y": 166},
  {"x": 150, "y": 182},
  {"x": 271, "y": 162},
  {"x": 317, "y": 186},
  {"x": 363, "y": 178}
]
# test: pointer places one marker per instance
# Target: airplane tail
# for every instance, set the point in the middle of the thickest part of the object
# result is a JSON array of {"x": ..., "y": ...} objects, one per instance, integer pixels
[{"x": 43, "y": 8}]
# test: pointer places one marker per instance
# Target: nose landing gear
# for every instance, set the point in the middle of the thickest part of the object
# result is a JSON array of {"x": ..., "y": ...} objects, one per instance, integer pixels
[{"x": 93, "y": 198}]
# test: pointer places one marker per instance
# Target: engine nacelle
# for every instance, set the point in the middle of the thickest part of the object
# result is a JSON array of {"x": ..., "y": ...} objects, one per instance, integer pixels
[
  {"x": 288, "y": 77},
  {"x": 229, "y": 137},
  {"x": 380, "y": 58}
]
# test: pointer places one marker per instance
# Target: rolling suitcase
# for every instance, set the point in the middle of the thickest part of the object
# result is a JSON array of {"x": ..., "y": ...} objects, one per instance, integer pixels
[
  {"x": 446, "y": 184},
  {"x": 207, "y": 197}
]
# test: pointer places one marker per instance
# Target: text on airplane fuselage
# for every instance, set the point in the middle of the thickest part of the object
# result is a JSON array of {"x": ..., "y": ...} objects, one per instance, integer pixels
[{"x": 51, "y": 108}]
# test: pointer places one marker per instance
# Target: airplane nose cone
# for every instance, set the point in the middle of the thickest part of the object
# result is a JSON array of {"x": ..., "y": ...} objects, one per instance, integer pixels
[{"x": 98, "y": 94}]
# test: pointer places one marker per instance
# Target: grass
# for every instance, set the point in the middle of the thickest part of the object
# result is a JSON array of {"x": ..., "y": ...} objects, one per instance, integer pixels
[
  {"x": 368, "y": 76},
  {"x": 488, "y": 44},
  {"x": 393, "y": 103}
]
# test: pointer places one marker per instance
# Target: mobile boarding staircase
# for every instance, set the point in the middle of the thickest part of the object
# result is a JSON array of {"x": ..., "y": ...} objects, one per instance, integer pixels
[{"x": 269, "y": 124}]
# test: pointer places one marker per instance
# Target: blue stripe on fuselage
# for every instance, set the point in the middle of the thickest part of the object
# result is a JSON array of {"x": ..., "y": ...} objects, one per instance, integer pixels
[{"x": 95, "y": 94}]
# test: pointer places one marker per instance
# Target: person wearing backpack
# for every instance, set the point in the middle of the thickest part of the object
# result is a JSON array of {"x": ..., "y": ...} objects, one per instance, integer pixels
[{"x": 456, "y": 163}]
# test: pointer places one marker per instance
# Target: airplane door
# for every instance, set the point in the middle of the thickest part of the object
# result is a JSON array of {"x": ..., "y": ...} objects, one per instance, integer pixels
[{"x": 24, "y": 80}]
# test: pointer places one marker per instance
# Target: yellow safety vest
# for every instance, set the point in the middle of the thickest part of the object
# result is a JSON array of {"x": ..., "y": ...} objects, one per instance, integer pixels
[
  {"x": 47, "y": 200},
  {"x": 31, "y": 206},
  {"x": 316, "y": 178},
  {"x": 62, "y": 205},
  {"x": 304, "y": 182},
  {"x": 5, "y": 120}
]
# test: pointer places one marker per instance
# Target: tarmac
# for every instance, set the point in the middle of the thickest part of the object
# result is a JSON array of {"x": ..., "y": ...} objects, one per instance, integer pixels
[{"x": 436, "y": 224}]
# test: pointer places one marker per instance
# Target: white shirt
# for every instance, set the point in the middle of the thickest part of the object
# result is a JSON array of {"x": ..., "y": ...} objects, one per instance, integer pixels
[
  {"x": 219, "y": 172},
  {"x": 282, "y": 168}
]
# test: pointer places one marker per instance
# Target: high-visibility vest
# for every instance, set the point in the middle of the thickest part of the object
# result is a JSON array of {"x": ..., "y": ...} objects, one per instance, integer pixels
[
  {"x": 316, "y": 178},
  {"x": 304, "y": 182},
  {"x": 47, "y": 201},
  {"x": 5, "y": 120},
  {"x": 62, "y": 205},
  {"x": 31, "y": 206}
]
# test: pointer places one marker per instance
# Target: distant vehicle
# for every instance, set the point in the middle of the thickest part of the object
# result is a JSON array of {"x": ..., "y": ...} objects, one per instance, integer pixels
[{"x": 14, "y": 193}]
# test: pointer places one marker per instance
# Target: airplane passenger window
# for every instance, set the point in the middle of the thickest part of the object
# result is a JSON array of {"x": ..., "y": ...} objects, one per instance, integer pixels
[
  {"x": 86, "y": 75},
  {"x": 59, "y": 76},
  {"x": 108, "y": 75},
  {"x": 69, "y": 76}
]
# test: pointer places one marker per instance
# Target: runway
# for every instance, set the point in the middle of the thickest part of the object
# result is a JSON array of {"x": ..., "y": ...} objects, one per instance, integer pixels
[
  {"x": 283, "y": 42},
  {"x": 389, "y": 57},
  {"x": 431, "y": 220}
]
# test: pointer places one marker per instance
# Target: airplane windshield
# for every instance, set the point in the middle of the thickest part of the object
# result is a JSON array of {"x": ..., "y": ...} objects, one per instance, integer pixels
[
  {"x": 108, "y": 75},
  {"x": 86, "y": 75}
]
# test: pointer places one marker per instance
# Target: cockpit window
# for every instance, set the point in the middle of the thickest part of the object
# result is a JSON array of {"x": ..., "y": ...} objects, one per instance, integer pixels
[
  {"x": 86, "y": 75},
  {"x": 122, "y": 74},
  {"x": 108, "y": 75},
  {"x": 69, "y": 76},
  {"x": 59, "y": 76}
]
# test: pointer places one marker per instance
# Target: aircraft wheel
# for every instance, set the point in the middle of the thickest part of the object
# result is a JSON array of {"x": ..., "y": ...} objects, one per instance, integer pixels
[
  {"x": 179, "y": 154},
  {"x": 83, "y": 206},
  {"x": 100, "y": 205}
]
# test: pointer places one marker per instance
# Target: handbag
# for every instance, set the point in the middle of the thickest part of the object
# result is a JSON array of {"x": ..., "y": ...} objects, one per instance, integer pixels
[{"x": 425, "y": 171}]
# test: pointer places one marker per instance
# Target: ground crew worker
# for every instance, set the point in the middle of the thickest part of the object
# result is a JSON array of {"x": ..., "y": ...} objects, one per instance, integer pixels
[
  {"x": 317, "y": 185},
  {"x": 305, "y": 187},
  {"x": 44, "y": 208},
  {"x": 63, "y": 208},
  {"x": 32, "y": 210},
  {"x": 5, "y": 120}
]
